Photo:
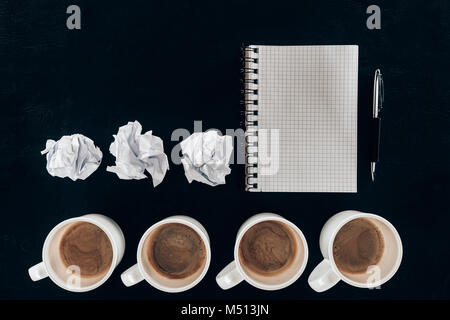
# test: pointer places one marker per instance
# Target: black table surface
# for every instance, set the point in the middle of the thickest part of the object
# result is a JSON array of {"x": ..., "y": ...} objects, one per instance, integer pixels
[{"x": 167, "y": 64}]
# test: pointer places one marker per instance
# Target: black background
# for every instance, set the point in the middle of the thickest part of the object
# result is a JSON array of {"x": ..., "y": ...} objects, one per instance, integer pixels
[{"x": 166, "y": 64}]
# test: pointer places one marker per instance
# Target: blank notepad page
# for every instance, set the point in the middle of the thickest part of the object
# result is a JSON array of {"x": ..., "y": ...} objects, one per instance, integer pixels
[{"x": 308, "y": 94}]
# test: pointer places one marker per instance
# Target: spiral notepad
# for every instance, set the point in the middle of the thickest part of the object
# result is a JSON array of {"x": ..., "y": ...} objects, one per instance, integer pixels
[{"x": 301, "y": 118}]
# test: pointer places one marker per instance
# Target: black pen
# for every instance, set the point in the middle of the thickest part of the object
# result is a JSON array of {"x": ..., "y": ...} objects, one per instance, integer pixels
[{"x": 378, "y": 96}]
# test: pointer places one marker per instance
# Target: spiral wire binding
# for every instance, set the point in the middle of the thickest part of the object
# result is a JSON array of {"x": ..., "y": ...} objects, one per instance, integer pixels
[{"x": 249, "y": 93}]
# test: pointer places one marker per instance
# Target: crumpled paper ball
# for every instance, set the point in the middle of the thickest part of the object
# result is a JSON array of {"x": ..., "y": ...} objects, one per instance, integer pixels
[
  {"x": 73, "y": 156},
  {"x": 136, "y": 152},
  {"x": 206, "y": 157}
]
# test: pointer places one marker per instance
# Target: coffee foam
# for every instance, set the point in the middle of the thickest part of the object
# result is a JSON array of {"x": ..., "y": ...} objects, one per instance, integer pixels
[
  {"x": 268, "y": 248},
  {"x": 358, "y": 245},
  {"x": 87, "y": 247},
  {"x": 175, "y": 251}
]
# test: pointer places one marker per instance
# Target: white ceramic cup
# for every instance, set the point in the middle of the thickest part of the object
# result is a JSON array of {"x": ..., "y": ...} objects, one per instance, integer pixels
[
  {"x": 326, "y": 274},
  {"x": 234, "y": 272},
  {"x": 143, "y": 270},
  {"x": 69, "y": 278}
]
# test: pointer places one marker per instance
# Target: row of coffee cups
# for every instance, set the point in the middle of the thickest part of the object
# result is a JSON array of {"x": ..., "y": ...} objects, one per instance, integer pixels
[{"x": 270, "y": 253}]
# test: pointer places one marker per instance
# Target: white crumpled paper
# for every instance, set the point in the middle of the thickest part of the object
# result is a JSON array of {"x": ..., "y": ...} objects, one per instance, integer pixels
[
  {"x": 136, "y": 152},
  {"x": 73, "y": 156},
  {"x": 206, "y": 156}
]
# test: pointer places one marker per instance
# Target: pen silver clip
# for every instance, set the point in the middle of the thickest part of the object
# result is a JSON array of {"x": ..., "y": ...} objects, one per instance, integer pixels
[{"x": 378, "y": 93}]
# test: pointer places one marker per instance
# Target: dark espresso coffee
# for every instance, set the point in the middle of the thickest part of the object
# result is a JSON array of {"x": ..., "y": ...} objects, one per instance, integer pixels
[
  {"x": 175, "y": 251},
  {"x": 87, "y": 246},
  {"x": 268, "y": 248},
  {"x": 358, "y": 245}
]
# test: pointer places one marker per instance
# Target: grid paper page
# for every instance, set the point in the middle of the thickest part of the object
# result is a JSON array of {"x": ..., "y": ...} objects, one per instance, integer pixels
[{"x": 308, "y": 93}]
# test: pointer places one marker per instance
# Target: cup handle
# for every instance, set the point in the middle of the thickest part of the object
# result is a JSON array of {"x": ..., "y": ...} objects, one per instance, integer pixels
[
  {"x": 131, "y": 276},
  {"x": 229, "y": 276},
  {"x": 38, "y": 272},
  {"x": 323, "y": 277}
]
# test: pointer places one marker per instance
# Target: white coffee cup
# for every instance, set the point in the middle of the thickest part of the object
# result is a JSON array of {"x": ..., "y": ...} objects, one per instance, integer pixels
[
  {"x": 234, "y": 272},
  {"x": 143, "y": 270},
  {"x": 69, "y": 278},
  {"x": 327, "y": 274}
]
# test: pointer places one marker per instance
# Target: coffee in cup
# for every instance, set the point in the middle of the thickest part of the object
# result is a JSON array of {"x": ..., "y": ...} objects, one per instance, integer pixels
[
  {"x": 80, "y": 254},
  {"x": 270, "y": 253},
  {"x": 359, "y": 248},
  {"x": 173, "y": 255}
]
